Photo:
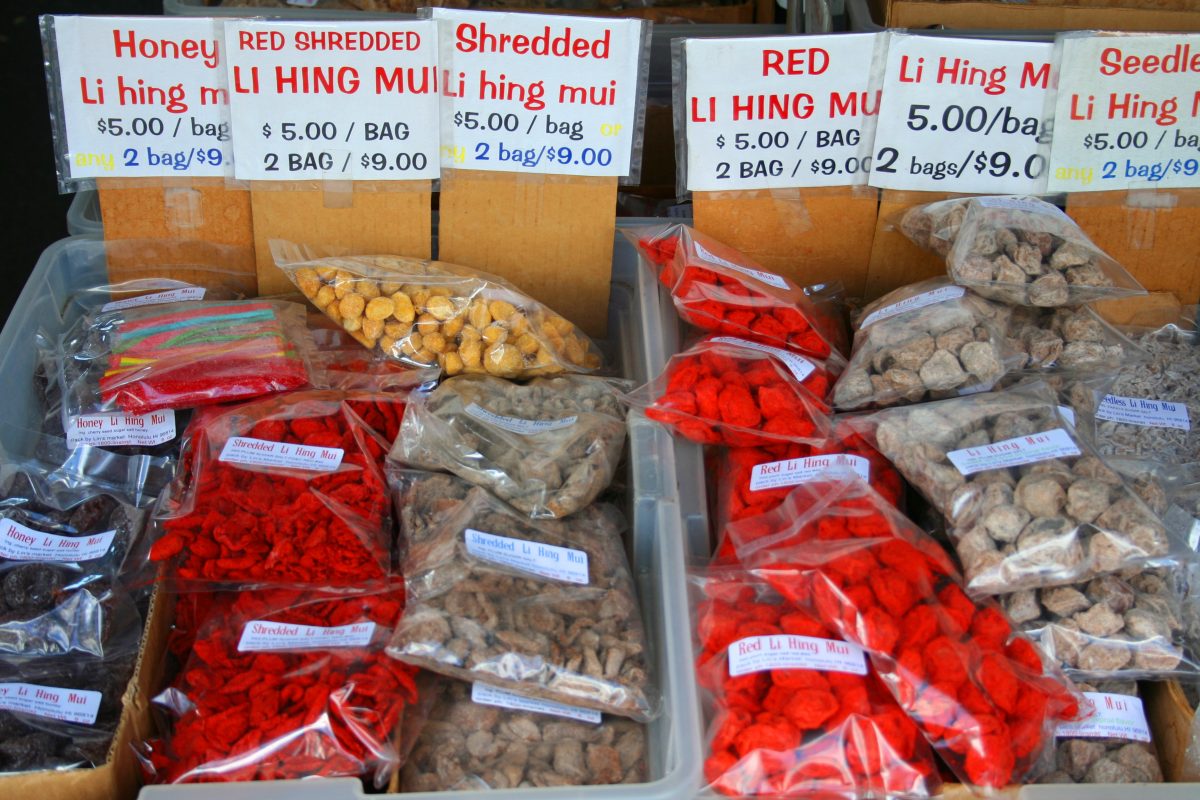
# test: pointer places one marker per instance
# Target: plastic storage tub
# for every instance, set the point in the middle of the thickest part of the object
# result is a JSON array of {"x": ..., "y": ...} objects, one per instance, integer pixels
[
  {"x": 83, "y": 216},
  {"x": 657, "y": 545}
]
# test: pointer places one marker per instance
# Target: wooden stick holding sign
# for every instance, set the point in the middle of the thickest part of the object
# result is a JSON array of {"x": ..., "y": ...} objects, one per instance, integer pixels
[
  {"x": 340, "y": 143},
  {"x": 539, "y": 119},
  {"x": 139, "y": 108},
  {"x": 775, "y": 145}
]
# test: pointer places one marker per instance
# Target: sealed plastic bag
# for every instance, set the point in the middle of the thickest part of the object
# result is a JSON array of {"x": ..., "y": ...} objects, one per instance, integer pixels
[
  {"x": 480, "y": 737},
  {"x": 718, "y": 289},
  {"x": 982, "y": 694},
  {"x": 281, "y": 491},
  {"x": 1027, "y": 502},
  {"x": 748, "y": 481},
  {"x": 432, "y": 313},
  {"x": 544, "y": 608},
  {"x": 1114, "y": 745},
  {"x": 1129, "y": 625},
  {"x": 796, "y": 711},
  {"x": 286, "y": 684},
  {"x": 60, "y": 715},
  {"x": 142, "y": 359},
  {"x": 1024, "y": 251},
  {"x": 925, "y": 341},
  {"x": 739, "y": 394},
  {"x": 934, "y": 226},
  {"x": 1074, "y": 340},
  {"x": 548, "y": 448}
]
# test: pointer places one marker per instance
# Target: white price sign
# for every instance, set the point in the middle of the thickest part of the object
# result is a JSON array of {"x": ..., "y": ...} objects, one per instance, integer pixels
[
  {"x": 778, "y": 112},
  {"x": 337, "y": 100},
  {"x": 963, "y": 115},
  {"x": 138, "y": 97},
  {"x": 1127, "y": 113},
  {"x": 539, "y": 94}
]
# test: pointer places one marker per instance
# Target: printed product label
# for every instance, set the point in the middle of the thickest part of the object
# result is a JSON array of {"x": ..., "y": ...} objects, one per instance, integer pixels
[
  {"x": 1144, "y": 412},
  {"x": 768, "y": 278},
  {"x": 157, "y": 298},
  {"x": 1067, "y": 413},
  {"x": 1022, "y": 204},
  {"x": 262, "y": 635},
  {"x": 1118, "y": 716},
  {"x": 25, "y": 544},
  {"x": 794, "y": 471},
  {"x": 799, "y": 366},
  {"x": 261, "y": 453},
  {"x": 491, "y": 696},
  {"x": 913, "y": 303},
  {"x": 1056, "y": 443},
  {"x": 524, "y": 427},
  {"x": 79, "y": 706},
  {"x": 119, "y": 430},
  {"x": 785, "y": 651},
  {"x": 546, "y": 560}
]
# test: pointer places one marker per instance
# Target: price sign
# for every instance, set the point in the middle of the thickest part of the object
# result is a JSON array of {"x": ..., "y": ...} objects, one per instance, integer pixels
[
  {"x": 338, "y": 100},
  {"x": 539, "y": 94},
  {"x": 777, "y": 112},
  {"x": 1127, "y": 114},
  {"x": 963, "y": 115},
  {"x": 137, "y": 96}
]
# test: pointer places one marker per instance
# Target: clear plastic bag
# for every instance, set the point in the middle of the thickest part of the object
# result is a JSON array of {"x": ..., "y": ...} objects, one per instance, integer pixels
[
  {"x": 794, "y": 710},
  {"x": 282, "y": 491},
  {"x": 548, "y": 448},
  {"x": 925, "y": 341},
  {"x": 1024, "y": 251},
  {"x": 1075, "y": 340},
  {"x": 286, "y": 684},
  {"x": 1113, "y": 746},
  {"x": 1152, "y": 403},
  {"x": 748, "y": 481},
  {"x": 93, "y": 623},
  {"x": 934, "y": 226},
  {"x": 60, "y": 715},
  {"x": 738, "y": 394},
  {"x": 142, "y": 359},
  {"x": 718, "y": 289},
  {"x": 983, "y": 695},
  {"x": 470, "y": 745},
  {"x": 1125, "y": 626},
  {"x": 543, "y": 608},
  {"x": 428, "y": 313},
  {"x": 1027, "y": 502}
]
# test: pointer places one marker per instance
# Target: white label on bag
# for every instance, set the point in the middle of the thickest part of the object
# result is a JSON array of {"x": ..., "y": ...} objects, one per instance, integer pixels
[
  {"x": 262, "y": 635},
  {"x": 261, "y": 453},
  {"x": 79, "y": 706},
  {"x": 1030, "y": 204},
  {"x": 184, "y": 295},
  {"x": 913, "y": 303},
  {"x": 25, "y": 544},
  {"x": 1118, "y": 716},
  {"x": 546, "y": 560},
  {"x": 1144, "y": 412},
  {"x": 486, "y": 695},
  {"x": 119, "y": 430},
  {"x": 787, "y": 651},
  {"x": 800, "y": 366},
  {"x": 525, "y": 427},
  {"x": 1056, "y": 443},
  {"x": 1067, "y": 413},
  {"x": 794, "y": 471},
  {"x": 769, "y": 278}
]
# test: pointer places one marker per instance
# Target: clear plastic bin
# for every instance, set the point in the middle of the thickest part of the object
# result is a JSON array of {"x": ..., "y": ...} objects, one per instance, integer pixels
[{"x": 83, "y": 216}]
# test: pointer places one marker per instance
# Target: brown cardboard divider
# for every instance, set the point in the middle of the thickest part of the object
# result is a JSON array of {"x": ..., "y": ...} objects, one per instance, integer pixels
[
  {"x": 120, "y": 777},
  {"x": 1153, "y": 234},
  {"x": 896, "y": 261},
  {"x": 368, "y": 217},
  {"x": 175, "y": 211},
  {"x": 809, "y": 235},
  {"x": 1171, "y": 15},
  {"x": 550, "y": 235},
  {"x": 1171, "y": 725}
]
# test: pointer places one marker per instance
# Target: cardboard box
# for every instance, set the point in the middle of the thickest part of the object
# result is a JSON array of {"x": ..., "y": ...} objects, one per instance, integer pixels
[
  {"x": 1171, "y": 724},
  {"x": 119, "y": 778},
  {"x": 1119, "y": 15}
]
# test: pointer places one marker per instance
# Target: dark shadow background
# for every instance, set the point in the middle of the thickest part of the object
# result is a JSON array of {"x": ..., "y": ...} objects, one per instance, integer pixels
[{"x": 35, "y": 214}]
